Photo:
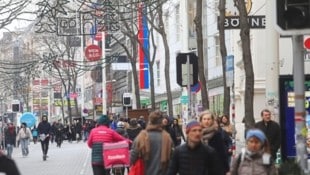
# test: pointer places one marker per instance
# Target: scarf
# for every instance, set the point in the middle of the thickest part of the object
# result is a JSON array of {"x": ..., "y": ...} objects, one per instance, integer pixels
[
  {"x": 143, "y": 144},
  {"x": 208, "y": 133}
]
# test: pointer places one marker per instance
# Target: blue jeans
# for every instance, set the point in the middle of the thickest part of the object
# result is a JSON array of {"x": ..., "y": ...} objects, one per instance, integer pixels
[
  {"x": 24, "y": 145},
  {"x": 9, "y": 150}
]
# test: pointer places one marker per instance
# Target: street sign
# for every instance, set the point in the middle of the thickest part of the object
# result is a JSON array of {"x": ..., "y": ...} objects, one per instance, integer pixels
[
  {"x": 93, "y": 53},
  {"x": 181, "y": 68}
]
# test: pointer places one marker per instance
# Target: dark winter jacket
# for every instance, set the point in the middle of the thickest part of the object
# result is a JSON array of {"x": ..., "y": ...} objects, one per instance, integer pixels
[
  {"x": 217, "y": 142},
  {"x": 133, "y": 132},
  {"x": 44, "y": 127},
  {"x": 10, "y": 135},
  {"x": 273, "y": 134},
  {"x": 202, "y": 160},
  {"x": 8, "y": 166}
]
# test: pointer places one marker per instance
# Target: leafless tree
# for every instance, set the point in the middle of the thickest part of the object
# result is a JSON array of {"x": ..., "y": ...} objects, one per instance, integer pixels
[
  {"x": 11, "y": 10},
  {"x": 223, "y": 51},
  {"x": 248, "y": 65},
  {"x": 159, "y": 26},
  {"x": 201, "y": 67}
]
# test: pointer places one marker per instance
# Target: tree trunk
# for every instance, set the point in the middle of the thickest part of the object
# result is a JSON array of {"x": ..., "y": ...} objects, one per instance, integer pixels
[
  {"x": 223, "y": 51},
  {"x": 201, "y": 68},
  {"x": 135, "y": 73},
  {"x": 167, "y": 60},
  {"x": 248, "y": 66}
]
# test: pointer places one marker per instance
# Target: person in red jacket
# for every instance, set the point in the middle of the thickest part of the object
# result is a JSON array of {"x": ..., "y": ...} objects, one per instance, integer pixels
[{"x": 99, "y": 135}]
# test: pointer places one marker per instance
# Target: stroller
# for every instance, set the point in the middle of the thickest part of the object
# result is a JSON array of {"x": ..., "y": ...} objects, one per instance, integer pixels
[{"x": 116, "y": 157}]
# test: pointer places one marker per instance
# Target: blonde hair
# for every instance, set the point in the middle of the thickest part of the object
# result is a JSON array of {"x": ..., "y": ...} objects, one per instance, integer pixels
[{"x": 206, "y": 112}]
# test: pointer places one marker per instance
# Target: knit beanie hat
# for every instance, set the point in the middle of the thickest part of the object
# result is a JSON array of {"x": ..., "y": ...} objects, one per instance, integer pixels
[
  {"x": 191, "y": 124},
  {"x": 257, "y": 134},
  {"x": 103, "y": 120}
]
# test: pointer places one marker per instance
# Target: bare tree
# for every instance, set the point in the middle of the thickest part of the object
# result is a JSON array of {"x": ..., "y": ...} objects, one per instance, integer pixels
[
  {"x": 11, "y": 10},
  {"x": 201, "y": 67},
  {"x": 248, "y": 65},
  {"x": 159, "y": 26},
  {"x": 63, "y": 65},
  {"x": 223, "y": 51}
]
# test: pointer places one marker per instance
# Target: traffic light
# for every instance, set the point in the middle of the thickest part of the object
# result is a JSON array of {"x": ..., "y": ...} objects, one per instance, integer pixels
[
  {"x": 181, "y": 68},
  {"x": 15, "y": 107},
  {"x": 293, "y": 16},
  {"x": 127, "y": 99}
]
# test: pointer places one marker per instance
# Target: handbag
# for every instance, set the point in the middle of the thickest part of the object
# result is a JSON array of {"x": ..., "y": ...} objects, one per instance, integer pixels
[{"x": 137, "y": 168}]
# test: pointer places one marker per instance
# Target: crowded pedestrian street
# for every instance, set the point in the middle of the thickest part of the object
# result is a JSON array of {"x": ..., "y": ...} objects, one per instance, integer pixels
[{"x": 71, "y": 159}]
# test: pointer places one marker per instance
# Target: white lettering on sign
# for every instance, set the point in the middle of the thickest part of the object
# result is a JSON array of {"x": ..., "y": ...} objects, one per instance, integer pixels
[
  {"x": 122, "y": 156},
  {"x": 256, "y": 22}
]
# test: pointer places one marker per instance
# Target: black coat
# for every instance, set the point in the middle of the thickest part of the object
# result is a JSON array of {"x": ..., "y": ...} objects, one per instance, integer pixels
[
  {"x": 201, "y": 160},
  {"x": 8, "y": 166},
  {"x": 218, "y": 143},
  {"x": 273, "y": 134}
]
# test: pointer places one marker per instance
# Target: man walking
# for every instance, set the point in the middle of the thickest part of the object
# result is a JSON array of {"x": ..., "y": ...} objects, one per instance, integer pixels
[
  {"x": 44, "y": 129},
  {"x": 272, "y": 131},
  {"x": 194, "y": 157}
]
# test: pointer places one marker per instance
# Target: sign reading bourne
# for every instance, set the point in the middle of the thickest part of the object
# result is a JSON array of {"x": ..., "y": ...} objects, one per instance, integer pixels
[
  {"x": 232, "y": 18},
  {"x": 93, "y": 53}
]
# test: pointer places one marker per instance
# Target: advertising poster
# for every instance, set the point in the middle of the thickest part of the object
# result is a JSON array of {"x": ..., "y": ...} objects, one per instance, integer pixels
[{"x": 287, "y": 122}]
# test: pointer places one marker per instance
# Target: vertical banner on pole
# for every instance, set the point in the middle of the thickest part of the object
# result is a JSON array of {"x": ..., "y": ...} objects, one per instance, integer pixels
[{"x": 143, "y": 47}]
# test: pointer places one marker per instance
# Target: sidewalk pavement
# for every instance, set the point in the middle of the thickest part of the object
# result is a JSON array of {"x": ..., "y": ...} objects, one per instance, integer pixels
[{"x": 71, "y": 159}]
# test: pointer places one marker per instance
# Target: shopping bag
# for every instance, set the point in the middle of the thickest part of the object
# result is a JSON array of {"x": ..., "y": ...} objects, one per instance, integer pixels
[
  {"x": 137, "y": 168},
  {"x": 116, "y": 154}
]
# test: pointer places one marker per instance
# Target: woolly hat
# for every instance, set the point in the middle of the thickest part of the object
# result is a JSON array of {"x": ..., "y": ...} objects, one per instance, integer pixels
[
  {"x": 103, "y": 120},
  {"x": 191, "y": 124},
  {"x": 256, "y": 133}
]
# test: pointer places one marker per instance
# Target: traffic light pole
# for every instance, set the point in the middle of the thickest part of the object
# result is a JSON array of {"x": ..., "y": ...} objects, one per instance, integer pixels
[{"x": 299, "y": 91}]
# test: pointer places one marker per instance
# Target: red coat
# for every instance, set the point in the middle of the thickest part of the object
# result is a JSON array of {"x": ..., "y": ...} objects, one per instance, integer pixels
[{"x": 103, "y": 134}]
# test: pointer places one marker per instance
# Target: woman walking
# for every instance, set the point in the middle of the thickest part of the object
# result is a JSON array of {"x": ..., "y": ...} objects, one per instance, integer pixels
[
  {"x": 255, "y": 158},
  {"x": 23, "y": 137}
]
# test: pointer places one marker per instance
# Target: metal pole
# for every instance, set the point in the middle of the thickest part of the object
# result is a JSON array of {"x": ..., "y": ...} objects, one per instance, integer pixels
[
  {"x": 104, "y": 92},
  {"x": 188, "y": 88},
  {"x": 299, "y": 90}
]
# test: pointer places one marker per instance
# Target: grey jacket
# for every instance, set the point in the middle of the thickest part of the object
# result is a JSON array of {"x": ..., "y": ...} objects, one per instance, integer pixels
[
  {"x": 251, "y": 165},
  {"x": 152, "y": 166}
]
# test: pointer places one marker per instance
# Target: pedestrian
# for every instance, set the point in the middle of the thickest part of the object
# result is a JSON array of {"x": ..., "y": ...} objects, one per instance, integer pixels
[
  {"x": 154, "y": 145},
  {"x": 226, "y": 125},
  {"x": 134, "y": 129},
  {"x": 7, "y": 165},
  {"x": 44, "y": 129},
  {"x": 213, "y": 135},
  {"x": 178, "y": 132},
  {"x": 194, "y": 157},
  {"x": 255, "y": 158},
  {"x": 34, "y": 133},
  {"x": 167, "y": 127},
  {"x": 141, "y": 122},
  {"x": 272, "y": 131},
  {"x": 23, "y": 136},
  {"x": 99, "y": 135},
  {"x": 10, "y": 135}
]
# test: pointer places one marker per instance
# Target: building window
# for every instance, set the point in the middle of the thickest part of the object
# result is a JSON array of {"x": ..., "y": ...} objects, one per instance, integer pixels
[
  {"x": 218, "y": 57},
  {"x": 158, "y": 72}
]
